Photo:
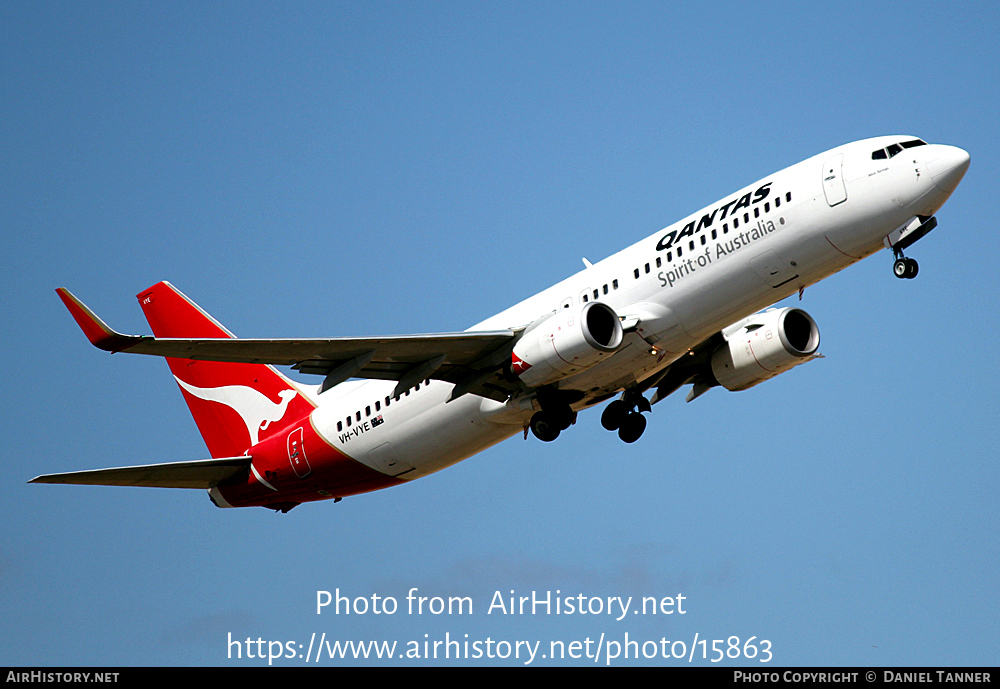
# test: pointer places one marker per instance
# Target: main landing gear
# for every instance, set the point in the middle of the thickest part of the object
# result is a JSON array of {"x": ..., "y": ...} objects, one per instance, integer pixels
[
  {"x": 550, "y": 422},
  {"x": 625, "y": 416}
]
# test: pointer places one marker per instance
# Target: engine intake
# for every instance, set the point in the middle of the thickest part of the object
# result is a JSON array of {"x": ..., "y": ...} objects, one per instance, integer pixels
[{"x": 565, "y": 342}]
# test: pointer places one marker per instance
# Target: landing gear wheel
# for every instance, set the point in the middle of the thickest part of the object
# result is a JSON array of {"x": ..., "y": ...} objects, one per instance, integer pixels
[
  {"x": 544, "y": 427},
  {"x": 614, "y": 415},
  {"x": 561, "y": 417},
  {"x": 899, "y": 268},
  {"x": 905, "y": 268},
  {"x": 632, "y": 427}
]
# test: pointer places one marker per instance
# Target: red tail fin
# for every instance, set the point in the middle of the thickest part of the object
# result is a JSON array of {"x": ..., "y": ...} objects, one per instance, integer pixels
[{"x": 235, "y": 405}]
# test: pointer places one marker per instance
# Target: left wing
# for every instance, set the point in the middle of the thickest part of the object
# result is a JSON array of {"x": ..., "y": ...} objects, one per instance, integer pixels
[
  {"x": 470, "y": 360},
  {"x": 202, "y": 473}
]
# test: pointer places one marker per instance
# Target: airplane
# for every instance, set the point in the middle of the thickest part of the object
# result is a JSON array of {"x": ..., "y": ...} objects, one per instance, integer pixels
[{"x": 681, "y": 307}]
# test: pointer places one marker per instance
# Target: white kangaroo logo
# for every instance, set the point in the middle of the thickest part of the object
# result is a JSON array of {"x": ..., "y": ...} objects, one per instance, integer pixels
[{"x": 256, "y": 410}]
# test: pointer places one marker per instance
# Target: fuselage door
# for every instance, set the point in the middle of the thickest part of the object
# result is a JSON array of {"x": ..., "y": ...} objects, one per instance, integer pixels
[{"x": 833, "y": 180}]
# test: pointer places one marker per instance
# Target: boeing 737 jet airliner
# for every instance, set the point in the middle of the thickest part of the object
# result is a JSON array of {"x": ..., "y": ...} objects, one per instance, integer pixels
[{"x": 680, "y": 307}]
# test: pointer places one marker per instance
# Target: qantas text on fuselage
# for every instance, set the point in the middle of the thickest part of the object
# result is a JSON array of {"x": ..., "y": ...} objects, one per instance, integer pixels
[{"x": 681, "y": 307}]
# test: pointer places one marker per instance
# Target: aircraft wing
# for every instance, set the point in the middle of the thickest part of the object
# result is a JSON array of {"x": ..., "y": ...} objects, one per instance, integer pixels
[
  {"x": 202, "y": 473},
  {"x": 468, "y": 359}
]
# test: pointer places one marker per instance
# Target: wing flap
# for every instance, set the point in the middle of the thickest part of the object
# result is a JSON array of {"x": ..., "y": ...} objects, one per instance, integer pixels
[{"x": 202, "y": 473}]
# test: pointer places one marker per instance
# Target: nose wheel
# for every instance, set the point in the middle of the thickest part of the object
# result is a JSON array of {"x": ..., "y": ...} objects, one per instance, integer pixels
[{"x": 905, "y": 268}]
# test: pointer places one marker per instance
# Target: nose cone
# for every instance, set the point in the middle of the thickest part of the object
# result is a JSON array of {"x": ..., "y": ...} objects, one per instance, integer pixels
[{"x": 948, "y": 166}]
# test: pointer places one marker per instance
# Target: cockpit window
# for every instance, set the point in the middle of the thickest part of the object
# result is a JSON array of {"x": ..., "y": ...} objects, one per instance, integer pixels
[{"x": 893, "y": 149}]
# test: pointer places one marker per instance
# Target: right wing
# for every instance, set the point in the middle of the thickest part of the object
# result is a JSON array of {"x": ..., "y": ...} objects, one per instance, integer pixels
[{"x": 470, "y": 360}]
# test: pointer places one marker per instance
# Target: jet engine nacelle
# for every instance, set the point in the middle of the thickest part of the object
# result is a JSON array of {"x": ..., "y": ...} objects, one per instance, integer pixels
[
  {"x": 764, "y": 345},
  {"x": 566, "y": 342}
]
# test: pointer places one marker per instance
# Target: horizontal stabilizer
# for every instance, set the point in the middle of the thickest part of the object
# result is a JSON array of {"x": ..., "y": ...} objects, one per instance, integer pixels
[{"x": 202, "y": 473}]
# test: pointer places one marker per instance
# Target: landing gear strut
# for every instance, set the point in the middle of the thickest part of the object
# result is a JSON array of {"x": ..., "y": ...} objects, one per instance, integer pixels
[{"x": 625, "y": 416}]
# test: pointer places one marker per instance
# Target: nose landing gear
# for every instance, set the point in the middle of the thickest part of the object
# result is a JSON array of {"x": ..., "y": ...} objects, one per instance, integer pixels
[
  {"x": 625, "y": 416},
  {"x": 903, "y": 238}
]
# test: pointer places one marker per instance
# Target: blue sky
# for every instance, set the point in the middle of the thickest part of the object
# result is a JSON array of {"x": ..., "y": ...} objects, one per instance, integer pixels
[{"x": 336, "y": 169}]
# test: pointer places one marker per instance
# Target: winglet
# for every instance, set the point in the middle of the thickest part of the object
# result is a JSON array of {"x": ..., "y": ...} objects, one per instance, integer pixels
[{"x": 96, "y": 330}]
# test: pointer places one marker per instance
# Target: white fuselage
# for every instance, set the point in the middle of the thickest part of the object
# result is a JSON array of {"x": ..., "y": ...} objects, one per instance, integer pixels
[{"x": 686, "y": 282}]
